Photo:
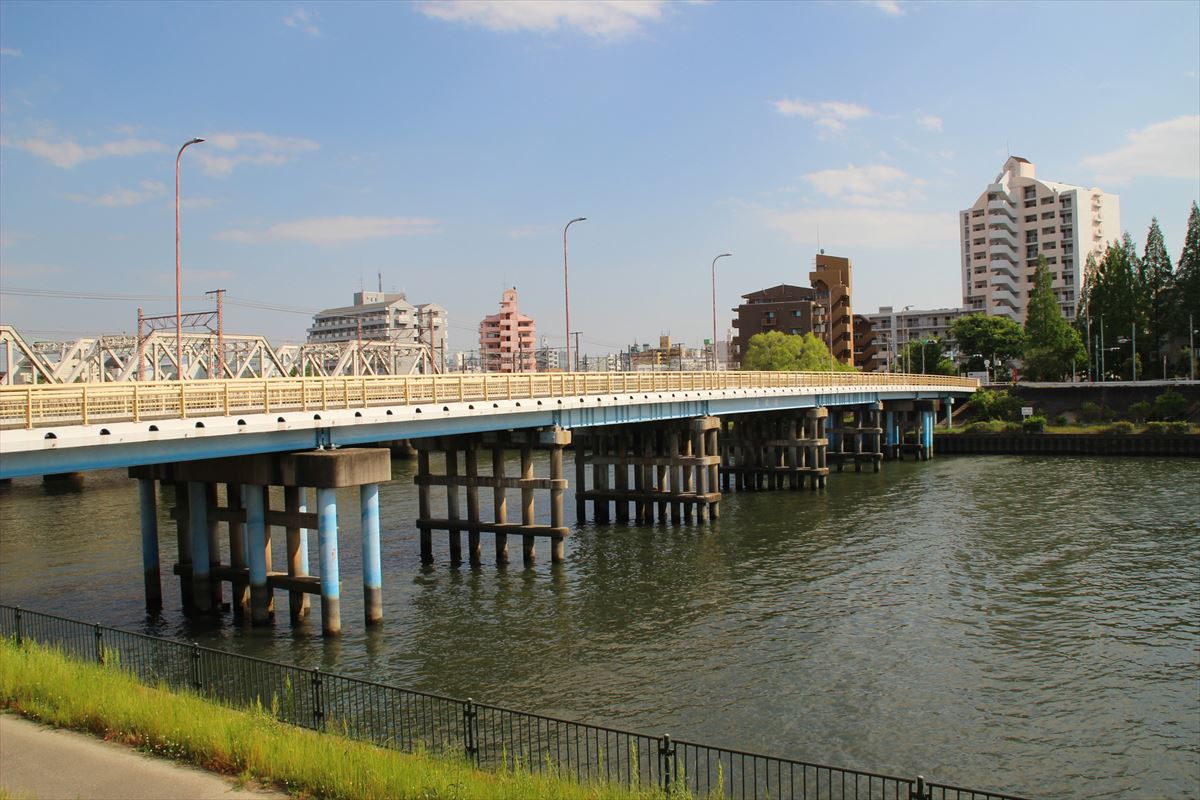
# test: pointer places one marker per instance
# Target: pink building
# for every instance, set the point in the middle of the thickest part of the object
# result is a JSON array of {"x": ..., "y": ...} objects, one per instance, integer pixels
[{"x": 507, "y": 341}]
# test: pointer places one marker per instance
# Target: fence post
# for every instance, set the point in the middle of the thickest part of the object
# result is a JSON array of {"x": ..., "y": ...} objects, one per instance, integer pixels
[
  {"x": 666, "y": 760},
  {"x": 196, "y": 663},
  {"x": 920, "y": 791},
  {"x": 99, "y": 643},
  {"x": 470, "y": 731},
  {"x": 318, "y": 705},
  {"x": 18, "y": 616}
]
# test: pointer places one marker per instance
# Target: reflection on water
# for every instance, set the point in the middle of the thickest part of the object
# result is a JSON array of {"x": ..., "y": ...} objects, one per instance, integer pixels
[{"x": 1021, "y": 623}]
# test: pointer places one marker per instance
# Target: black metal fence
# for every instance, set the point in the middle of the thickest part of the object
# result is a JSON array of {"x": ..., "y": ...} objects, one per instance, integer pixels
[{"x": 489, "y": 736}]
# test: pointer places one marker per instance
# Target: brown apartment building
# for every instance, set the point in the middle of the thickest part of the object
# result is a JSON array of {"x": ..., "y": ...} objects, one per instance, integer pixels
[{"x": 800, "y": 310}]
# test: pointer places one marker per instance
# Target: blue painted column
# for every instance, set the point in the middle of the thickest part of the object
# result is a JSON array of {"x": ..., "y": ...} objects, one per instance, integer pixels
[
  {"x": 949, "y": 413},
  {"x": 371, "y": 560},
  {"x": 927, "y": 418},
  {"x": 198, "y": 525},
  {"x": 889, "y": 433},
  {"x": 256, "y": 546},
  {"x": 150, "y": 556},
  {"x": 331, "y": 612}
]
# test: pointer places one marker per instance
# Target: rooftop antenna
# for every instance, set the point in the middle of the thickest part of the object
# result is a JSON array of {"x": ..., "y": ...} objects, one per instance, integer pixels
[{"x": 380, "y": 274}]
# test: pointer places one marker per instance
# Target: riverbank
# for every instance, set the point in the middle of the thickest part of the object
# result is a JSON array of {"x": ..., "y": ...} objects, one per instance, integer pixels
[
  {"x": 1099, "y": 443},
  {"x": 42, "y": 684}
]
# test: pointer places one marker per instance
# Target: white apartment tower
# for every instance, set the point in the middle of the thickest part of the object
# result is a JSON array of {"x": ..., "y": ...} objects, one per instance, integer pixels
[{"x": 1019, "y": 218}]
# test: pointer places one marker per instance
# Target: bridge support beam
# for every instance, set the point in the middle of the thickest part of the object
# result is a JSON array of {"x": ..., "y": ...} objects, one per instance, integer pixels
[
  {"x": 675, "y": 467},
  {"x": 198, "y": 513},
  {"x": 775, "y": 450},
  {"x": 914, "y": 420},
  {"x": 470, "y": 480},
  {"x": 150, "y": 555}
]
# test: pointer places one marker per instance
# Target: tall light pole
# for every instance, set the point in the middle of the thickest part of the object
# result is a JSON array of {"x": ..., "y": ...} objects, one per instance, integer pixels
[
  {"x": 178, "y": 313},
  {"x": 567, "y": 287},
  {"x": 714, "y": 304}
]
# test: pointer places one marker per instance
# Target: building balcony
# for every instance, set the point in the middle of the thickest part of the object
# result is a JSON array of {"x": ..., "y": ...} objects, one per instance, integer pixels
[
  {"x": 1003, "y": 283},
  {"x": 1002, "y": 253},
  {"x": 1001, "y": 208}
]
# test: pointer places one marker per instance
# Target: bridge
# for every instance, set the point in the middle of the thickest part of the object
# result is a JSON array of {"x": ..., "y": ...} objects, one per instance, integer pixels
[{"x": 664, "y": 443}]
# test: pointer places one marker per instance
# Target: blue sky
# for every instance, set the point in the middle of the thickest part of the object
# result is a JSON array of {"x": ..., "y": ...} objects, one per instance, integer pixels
[{"x": 445, "y": 145}]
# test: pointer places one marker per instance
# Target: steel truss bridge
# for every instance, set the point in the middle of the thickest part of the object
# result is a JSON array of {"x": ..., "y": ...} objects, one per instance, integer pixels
[{"x": 152, "y": 357}]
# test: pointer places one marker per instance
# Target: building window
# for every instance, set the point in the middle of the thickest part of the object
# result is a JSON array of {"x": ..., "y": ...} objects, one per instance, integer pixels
[
  {"x": 1047, "y": 201},
  {"x": 1048, "y": 230},
  {"x": 1047, "y": 215},
  {"x": 1031, "y": 218}
]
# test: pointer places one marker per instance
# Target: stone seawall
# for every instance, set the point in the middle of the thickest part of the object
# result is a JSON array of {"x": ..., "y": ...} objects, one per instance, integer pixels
[{"x": 1102, "y": 444}]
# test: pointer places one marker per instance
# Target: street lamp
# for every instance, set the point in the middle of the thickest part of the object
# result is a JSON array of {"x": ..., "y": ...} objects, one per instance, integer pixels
[
  {"x": 178, "y": 313},
  {"x": 714, "y": 307},
  {"x": 567, "y": 287}
]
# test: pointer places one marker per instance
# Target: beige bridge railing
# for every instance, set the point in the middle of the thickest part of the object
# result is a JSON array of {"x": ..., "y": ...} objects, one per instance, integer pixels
[{"x": 87, "y": 403}]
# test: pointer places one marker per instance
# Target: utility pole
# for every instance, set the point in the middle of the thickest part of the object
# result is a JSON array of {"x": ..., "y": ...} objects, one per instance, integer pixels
[
  {"x": 576, "y": 335},
  {"x": 220, "y": 359}
]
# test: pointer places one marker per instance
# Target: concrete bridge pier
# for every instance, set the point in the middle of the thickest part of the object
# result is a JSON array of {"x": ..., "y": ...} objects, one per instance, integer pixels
[
  {"x": 859, "y": 443},
  {"x": 250, "y": 516},
  {"x": 147, "y": 498},
  {"x": 915, "y": 420},
  {"x": 472, "y": 479},
  {"x": 776, "y": 450},
  {"x": 674, "y": 465}
]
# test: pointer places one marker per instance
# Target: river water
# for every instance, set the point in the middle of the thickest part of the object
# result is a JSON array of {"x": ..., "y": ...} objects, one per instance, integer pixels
[{"x": 1026, "y": 624}]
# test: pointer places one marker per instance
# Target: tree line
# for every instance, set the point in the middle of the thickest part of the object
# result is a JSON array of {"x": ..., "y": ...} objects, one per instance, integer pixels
[{"x": 1137, "y": 318}]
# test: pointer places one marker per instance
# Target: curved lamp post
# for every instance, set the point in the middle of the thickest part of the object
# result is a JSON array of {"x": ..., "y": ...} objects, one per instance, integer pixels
[
  {"x": 714, "y": 307},
  {"x": 178, "y": 314},
  {"x": 567, "y": 287}
]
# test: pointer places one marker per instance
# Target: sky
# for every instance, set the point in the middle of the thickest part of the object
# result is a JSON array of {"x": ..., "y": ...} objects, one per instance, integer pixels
[{"x": 444, "y": 145}]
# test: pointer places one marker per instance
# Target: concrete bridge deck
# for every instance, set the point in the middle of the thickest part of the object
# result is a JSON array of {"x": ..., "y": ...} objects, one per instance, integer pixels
[{"x": 76, "y": 427}]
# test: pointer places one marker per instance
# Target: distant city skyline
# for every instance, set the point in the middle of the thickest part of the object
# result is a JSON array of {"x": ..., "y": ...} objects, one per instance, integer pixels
[{"x": 445, "y": 144}]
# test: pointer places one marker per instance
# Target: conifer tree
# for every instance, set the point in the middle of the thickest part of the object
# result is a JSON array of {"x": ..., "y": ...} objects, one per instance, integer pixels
[
  {"x": 1185, "y": 293},
  {"x": 1156, "y": 281},
  {"x": 1052, "y": 346}
]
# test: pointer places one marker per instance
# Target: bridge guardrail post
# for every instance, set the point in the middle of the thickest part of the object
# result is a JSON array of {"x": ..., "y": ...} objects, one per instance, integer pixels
[
  {"x": 920, "y": 791},
  {"x": 99, "y": 634},
  {"x": 17, "y": 622}
]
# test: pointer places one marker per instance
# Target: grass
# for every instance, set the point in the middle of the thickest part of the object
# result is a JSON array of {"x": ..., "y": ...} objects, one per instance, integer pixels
[
  {"x": 42, "y": 684},
  {"x": 1075, "y": 427}
]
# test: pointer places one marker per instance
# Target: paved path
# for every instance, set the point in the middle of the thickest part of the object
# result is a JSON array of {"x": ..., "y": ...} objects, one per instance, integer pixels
[{"x": 44, "y": 763}]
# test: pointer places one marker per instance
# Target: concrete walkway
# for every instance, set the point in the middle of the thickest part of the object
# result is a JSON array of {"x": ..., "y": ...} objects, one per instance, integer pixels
[{"x": 44, "y": 763}]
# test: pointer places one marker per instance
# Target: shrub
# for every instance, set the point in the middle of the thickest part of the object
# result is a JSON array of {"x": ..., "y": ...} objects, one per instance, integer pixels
[
  {"x": 981, "y": 427},
  {"x": 1157, "y": 428},
  {"x": 1089, "y": 412},
  {"x": 1060, "y": 420},
  {"x": 1178, "y": 427},
  {"x": 1140, "y": 411},
  {"x": 986, "y": 404},
  {"x": 1121, "y": 428},
  {"x": 1170, "y": 405},
  {"x": 1036, "y": 424},
  {"x": 1010, "y": 427}
]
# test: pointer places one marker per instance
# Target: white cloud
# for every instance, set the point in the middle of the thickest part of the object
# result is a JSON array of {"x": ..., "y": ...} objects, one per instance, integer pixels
[
  {"x": 890, "y": 7},
  {"x": 68, "y": 153},
  {"x": 601, "y": 19},
  {"x": 1163, "y": 150},
  {"x": 121, "y": 196},
  {"x": 830, "y": 116},
  {"x": 335, "y": 230},
  {"x": 523, "y": 231},
  {"x": 930, "y": 123},
  {"x": 11, "y": 52},
  {"x": 260, "y": 149},
  {"x": 886, "y": 229},
  {"x": 873, "y": 185},
  {"x": 300, "y": 20}
]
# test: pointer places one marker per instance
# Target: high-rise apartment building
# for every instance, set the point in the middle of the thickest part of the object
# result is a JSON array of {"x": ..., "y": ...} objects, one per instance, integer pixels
[
  {"x": 508, "y": 340},
  {"x": 830, "y": 280},
  {"x": 1018, "y": 218}
]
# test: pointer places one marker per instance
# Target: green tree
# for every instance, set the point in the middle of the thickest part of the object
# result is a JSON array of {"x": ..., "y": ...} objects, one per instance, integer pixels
[
  {"x": 1052, "y": 346},
  {"x": 1156, "y": 282},
  {"x": 1184, "y": 297},
  {"x": 1110, "y": 304},
  {"x": 792, "y": 352},
  {"x": 927, "y": 357},
  {"x": 982, "y": 338}
]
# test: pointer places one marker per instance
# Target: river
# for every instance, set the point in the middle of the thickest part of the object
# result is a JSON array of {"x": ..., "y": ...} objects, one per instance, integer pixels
[{"x": 1026, "y": 624}]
